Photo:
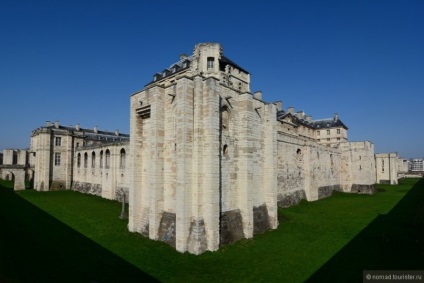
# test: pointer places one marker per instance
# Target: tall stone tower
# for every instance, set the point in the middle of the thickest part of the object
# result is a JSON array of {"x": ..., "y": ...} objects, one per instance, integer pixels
[{"x": 201, "y": 149}]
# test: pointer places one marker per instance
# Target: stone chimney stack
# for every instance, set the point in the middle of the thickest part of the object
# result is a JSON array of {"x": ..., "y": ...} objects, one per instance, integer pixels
[
  {"x": 77, "y": 127},
  {"x": 117, "y": 133},
  {"x": 95, "y": 129},
  {"x": 56, "y": 124},
  {"x": 258, "y": 95},
  {"x": 183, "y": 56},
  {"x": 48, "y": 124},
  {"x": 279, "y": 105},
  {"x": 336, "y": 117},
  {"x": 300, "y": 114},
  {"x": 290, "y": 110},
  {"x": 308, "y": 118}
]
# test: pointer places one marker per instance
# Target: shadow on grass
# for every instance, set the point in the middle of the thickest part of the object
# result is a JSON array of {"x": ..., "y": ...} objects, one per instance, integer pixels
[
  {"x": 35, "y": 247},
  {"x": 394, "y": 241}
]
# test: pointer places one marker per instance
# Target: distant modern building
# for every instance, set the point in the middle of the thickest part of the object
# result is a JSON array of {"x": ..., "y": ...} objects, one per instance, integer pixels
[{"x": 417, "y": 165}]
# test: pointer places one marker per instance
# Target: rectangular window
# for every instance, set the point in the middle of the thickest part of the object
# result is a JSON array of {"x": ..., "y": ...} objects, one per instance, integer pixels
[
  {"x": 57, "y": 159},
  {"x": 58, "y": 141},
  {"x": 318, "y": 133},
  {"x": 210, "y": 62},
  {"x": 338, "y": 131},
  {"x": 328, "y": 132}
]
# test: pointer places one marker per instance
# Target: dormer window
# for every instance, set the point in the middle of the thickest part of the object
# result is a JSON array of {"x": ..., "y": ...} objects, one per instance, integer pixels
[{"x": 210, "y": 63}]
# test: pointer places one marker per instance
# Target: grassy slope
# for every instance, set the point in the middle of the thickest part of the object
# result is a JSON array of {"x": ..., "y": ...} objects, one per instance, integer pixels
[{"x": 322, "y": 240}]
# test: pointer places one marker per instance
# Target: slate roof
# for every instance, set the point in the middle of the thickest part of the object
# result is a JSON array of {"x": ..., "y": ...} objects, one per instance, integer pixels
[
  {"x": 179, "y": 66},
  {"x": 315, "y": 124},
  {"x": 225, "y": 60},
  {"x": 103, "y": 136},
  {"x": 173, "y": 69},
  {"x": 328, "y": 123}
]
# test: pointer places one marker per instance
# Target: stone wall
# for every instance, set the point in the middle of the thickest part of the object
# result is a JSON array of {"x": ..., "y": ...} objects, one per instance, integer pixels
[
  {"x": 102, "y": 170},
  {"x": 192, "y": 141},
  {"x": 306, "y": 169},
  {"x": 210, "y": 163},
  {"x": 387, "y": 168}
]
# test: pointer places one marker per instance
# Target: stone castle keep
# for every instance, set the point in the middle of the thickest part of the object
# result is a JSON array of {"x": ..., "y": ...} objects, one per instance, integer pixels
[{"x": 207, "y": 162}]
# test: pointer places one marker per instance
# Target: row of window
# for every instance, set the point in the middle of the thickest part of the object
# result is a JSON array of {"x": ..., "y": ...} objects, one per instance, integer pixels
[
  {"x": 122, "y": 157},
  {"x": 328, "y": 132},
  {"x": 328, "y": 139}
]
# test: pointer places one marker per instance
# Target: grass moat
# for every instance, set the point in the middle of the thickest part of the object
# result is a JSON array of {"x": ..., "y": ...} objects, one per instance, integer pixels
[{"x": 66, "y": 236}]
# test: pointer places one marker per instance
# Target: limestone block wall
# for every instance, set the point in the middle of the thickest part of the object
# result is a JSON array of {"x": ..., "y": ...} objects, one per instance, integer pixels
[
  {"x": 8, "y": 156},
  {"x": 51, "y": 159},
  {"x": 403, "y": 166},
  {"x": 202, "y": 147},
  {"x": 386, "y": 168},
  {"x": 306, "y": 169},
  {"x": 7, "y": 160},
  {"x": 209, "y": 162},
  {"x": 358, "y": 167},
  {"x": 41, "y": 145},
  {"x": 61, "y": 161},
  {"x": 102, "y": 170}
]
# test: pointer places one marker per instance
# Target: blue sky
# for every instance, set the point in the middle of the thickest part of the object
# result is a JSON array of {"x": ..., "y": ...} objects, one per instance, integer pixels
[{"x": 79, "y": 61}]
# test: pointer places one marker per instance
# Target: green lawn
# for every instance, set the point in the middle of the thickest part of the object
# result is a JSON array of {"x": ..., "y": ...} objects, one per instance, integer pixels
[{"x": 65, "y": 236}]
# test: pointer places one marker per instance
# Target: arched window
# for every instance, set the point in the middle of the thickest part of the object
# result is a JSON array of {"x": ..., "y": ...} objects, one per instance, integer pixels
[
  {"x": 93, "y": 159},
  {"x": 122, "y": 158},
  {"x": 101, "y": 159},
  {"x": 79, "y": 160},
  {"x": 85, "y": 160},
  {"x": 107, "y": 161}
]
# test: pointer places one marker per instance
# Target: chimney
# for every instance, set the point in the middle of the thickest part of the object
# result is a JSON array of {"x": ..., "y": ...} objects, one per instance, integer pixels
[
  {"x": 117, "y": 133},
  {"x": 95, "y": 129},
  {"x": 183, "y": 56},
  {"x": 336, "y": 117},
  {"x": 279, "y": 105},
  {"x": 258, "y": 95},
  {"x": 48, "y": 124},
  {"x": 290, "y": 110},
  {"x": 300, "y": 114},
  {"x": 56, "y": 124},
  {"x": 77, "y": 127},
  {"x": 308, "y": 118}
]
